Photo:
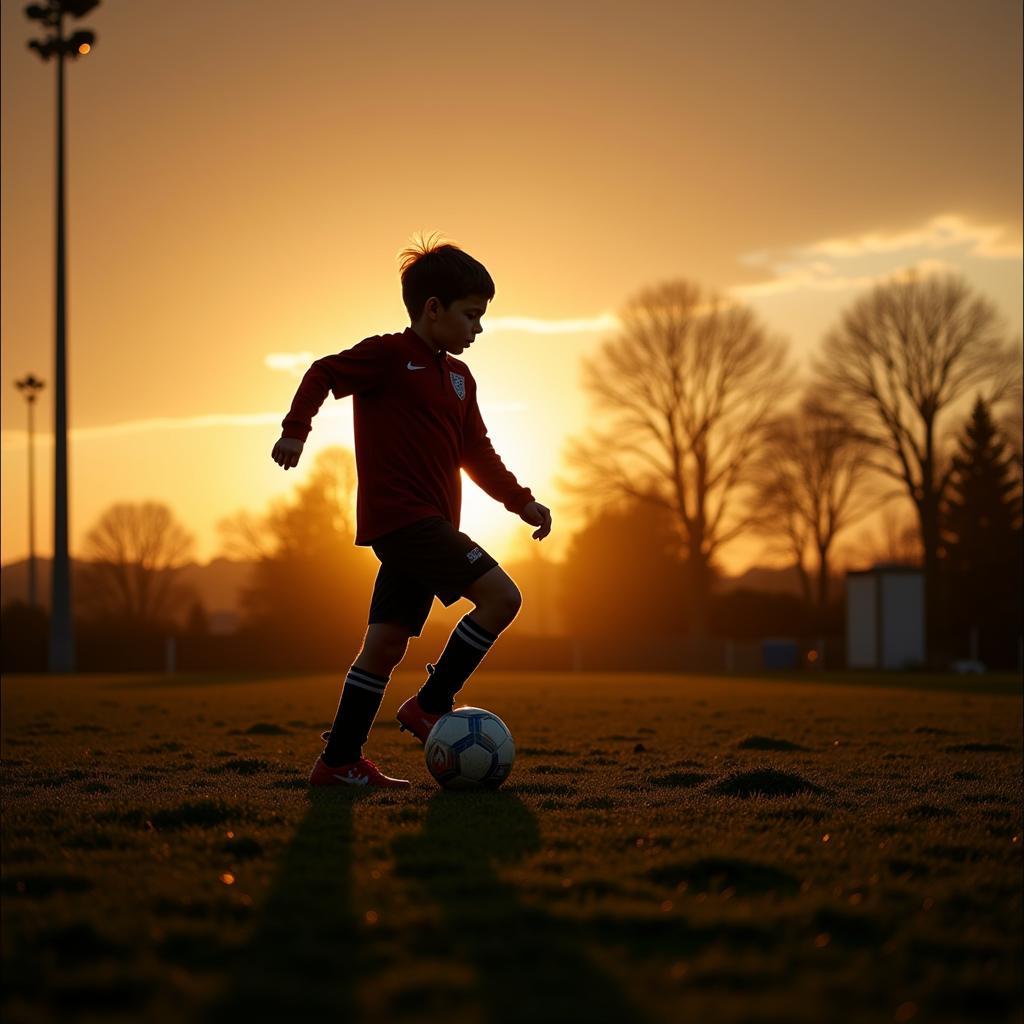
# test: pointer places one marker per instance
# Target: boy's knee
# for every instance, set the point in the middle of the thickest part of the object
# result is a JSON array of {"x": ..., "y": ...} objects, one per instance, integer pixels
[
  {"x": 497, "y": 598},
  {"x": 508, "y": 601}
]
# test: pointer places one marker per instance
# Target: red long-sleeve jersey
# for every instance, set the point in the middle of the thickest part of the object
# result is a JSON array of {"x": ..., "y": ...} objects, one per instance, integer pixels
[{"x": 416, "y": 424}]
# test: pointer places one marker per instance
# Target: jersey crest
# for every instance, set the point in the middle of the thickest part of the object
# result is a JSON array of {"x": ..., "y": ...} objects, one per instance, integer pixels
[{"x": 459, "y": 383}]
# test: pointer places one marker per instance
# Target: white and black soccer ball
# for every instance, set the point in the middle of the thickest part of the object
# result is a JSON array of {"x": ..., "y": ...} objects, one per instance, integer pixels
[{"x": 470, "y": 748}]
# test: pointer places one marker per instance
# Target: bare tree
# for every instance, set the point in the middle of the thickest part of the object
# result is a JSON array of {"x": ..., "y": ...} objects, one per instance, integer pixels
[
  {"x": 686, "y": 387},
  {"x": 781, "y": 517},
  {"x": 133, "y": 556},
  {"x": 309, "y": 581},
  {"x": 334, "y": 475},
  {"x": 293, "y": 527},
  {"x": 901, "y": 357},
  {"x": 811, "y": 485},
  {"x": 243, "y": 536}
]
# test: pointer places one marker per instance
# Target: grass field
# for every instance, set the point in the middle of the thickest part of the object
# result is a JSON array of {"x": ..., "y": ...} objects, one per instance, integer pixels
[{"x": 668, "y": 848}]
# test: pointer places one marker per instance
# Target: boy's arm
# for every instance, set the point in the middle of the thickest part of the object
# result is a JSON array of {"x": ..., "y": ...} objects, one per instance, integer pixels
[
  {"x": 356, "y": 369},
  {"x": 484, "y": 465}
]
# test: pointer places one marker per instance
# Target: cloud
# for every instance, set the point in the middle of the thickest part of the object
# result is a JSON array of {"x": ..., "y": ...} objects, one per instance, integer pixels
[
  {"x": 950, "y": 230},
  {"x": 827, "y": 279},
  {"x": 861, "y": 261},
  {"x": 293, "y": 363},
  {"x": 16, "y": 440}
]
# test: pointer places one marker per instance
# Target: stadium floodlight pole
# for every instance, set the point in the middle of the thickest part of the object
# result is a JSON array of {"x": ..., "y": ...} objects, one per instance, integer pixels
[
  {"x": 28, "y": 387},
  {"x": 62, "y": 638}
]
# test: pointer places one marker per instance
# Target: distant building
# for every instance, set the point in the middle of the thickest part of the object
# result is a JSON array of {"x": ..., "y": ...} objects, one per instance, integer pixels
[{"x": 885, "y": 618}]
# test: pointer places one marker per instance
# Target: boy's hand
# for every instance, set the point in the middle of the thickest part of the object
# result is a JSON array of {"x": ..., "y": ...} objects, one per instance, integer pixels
[
  {"x": 287, "y": 451},
  {"x": 537, "y": 514}
]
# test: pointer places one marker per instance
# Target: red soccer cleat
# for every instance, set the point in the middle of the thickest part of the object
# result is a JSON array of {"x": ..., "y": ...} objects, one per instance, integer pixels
[
  {"x": 413, "y": 718},
  {"x": 356, "y": 773}
]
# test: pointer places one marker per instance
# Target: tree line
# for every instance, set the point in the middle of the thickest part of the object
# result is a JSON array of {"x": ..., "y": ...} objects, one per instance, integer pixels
[
  {"x": 704, "y": 416},
  {"x": 707, "y": 432}
]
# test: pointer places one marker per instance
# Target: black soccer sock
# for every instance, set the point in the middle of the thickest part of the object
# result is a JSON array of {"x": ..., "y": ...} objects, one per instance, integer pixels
[
  {"x": 465, "y": 650},
  {"x": 359, "y": 704}
]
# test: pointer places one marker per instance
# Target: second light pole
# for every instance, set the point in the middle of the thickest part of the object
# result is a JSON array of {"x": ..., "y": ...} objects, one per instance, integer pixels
[{"x": 28, "y": 386}]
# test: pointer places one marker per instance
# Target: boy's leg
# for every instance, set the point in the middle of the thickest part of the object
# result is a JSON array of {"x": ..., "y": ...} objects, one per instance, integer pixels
[
  {"x": 497, "y": 601},
  {"x": 383, "y": 648}
]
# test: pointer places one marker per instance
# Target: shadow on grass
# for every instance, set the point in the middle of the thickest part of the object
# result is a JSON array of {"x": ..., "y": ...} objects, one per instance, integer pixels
[
  {"x": 302, "y": 961},
  {"x": 530, "y": 965}
]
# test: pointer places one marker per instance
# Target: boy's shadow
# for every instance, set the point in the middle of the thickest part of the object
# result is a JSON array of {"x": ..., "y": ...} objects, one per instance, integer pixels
[
  {"x": 302, "y": 961},
  {"x": 530, "y": 965}
]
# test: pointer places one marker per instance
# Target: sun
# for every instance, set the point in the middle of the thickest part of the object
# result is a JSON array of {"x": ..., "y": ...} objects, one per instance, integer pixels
[{"x": 488, "y": 522}]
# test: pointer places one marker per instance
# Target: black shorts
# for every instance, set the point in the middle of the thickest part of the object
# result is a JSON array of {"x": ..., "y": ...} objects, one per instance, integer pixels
[{"x": 427, "y": 558}]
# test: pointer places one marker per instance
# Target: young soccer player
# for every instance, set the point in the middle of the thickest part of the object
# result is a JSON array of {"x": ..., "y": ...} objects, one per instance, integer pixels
[{"x": 416, "y": 424}]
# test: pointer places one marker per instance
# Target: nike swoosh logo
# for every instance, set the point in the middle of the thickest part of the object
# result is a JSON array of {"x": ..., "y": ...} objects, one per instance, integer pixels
[
  {"x": 409, "y": 366},
  {"x": 353, "y": 780}
]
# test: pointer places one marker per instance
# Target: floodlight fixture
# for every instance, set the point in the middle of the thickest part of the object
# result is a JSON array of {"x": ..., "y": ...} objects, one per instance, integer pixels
[{"x": 80, "y": 43}]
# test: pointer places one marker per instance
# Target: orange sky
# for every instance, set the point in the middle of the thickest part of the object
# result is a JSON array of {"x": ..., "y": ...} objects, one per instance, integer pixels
[{"x": 241, "y": 177}]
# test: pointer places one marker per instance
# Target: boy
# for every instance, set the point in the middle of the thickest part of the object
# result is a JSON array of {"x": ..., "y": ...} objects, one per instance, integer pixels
[{"x": 416, "y": 423}]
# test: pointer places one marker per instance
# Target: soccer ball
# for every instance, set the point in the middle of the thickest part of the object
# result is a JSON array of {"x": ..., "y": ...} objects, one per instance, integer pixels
[{"x": 470, "y": 748}]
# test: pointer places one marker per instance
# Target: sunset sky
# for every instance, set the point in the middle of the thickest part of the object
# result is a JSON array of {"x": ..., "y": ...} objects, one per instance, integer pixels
[{"x": 241, "y": 177}]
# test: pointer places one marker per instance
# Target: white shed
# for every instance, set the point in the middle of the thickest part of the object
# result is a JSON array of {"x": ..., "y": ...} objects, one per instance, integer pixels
[{"x": 885, "y": 618}]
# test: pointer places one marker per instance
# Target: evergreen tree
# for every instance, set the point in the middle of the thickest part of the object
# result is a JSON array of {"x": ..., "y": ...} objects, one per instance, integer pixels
[{"x": 982, "y": 545}]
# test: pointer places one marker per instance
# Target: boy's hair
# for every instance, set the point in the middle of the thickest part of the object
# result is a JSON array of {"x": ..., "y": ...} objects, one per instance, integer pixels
[{"x": 431, "y": 268}]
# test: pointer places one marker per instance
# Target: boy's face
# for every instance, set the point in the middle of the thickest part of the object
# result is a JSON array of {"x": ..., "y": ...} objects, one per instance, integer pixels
[{"x": 456, "y": 327}]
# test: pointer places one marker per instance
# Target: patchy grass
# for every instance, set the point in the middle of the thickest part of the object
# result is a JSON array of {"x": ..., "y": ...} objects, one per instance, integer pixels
[
  {"x": 765, "y": 782},
  {"x": 667, "y": 848}
]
